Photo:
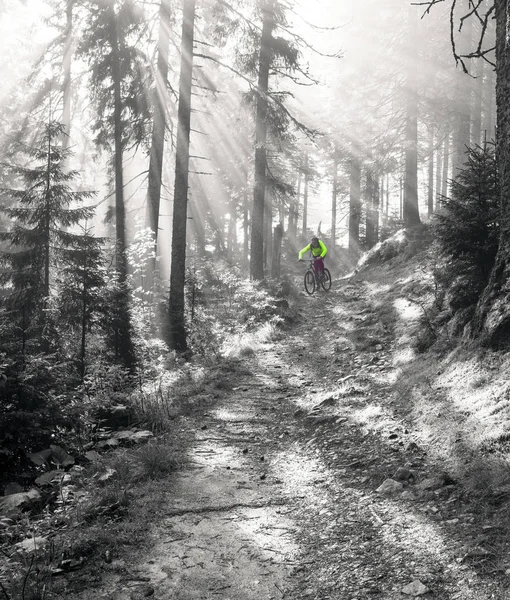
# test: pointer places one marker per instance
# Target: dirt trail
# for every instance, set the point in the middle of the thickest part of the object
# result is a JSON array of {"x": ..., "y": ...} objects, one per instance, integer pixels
[{"x": 279, "y": 498}]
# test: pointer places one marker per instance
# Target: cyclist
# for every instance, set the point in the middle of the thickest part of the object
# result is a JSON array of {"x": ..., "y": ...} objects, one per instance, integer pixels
[{"x": 318, "y": 250}]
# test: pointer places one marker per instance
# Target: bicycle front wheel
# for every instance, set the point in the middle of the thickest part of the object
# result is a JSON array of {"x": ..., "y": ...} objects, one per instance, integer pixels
[
  {"x": 309, "y": 282},
  {"x": 326, "y": 280}
]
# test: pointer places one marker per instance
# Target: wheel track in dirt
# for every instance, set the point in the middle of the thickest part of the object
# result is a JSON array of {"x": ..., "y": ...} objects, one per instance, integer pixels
[{"x": 279, "y": 501}]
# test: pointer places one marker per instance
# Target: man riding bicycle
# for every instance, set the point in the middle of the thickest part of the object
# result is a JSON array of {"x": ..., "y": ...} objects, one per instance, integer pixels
[{"x": 318, "y": 250}]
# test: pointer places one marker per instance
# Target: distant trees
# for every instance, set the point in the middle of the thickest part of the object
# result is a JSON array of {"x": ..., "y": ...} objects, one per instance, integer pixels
[
  {"x": 492, "y": 318},
  {"x": 159, "y": 121}
]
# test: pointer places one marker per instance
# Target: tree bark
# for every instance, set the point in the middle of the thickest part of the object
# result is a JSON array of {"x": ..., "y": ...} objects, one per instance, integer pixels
[
  {"x": 257, "y": 216},
  {"x": 354, "y": 203},
  {"x": 178, "y": 337}
]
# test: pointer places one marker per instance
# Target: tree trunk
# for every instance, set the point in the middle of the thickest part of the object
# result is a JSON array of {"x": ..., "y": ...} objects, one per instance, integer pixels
[
  {"x": 246, "y": 230},
  {"x": 401, "y": 199},
  {"x": 232, "y": 227},
  {"x": 461, "y": 132},
  {"x": 372, "y": 216},
  {"x": 178, "y": 338},
  {"x": 430, "y": 194},
  {"x": 158, "y": 131},
  {"x": 257, "y": 216},
  {"x": 446, "y": 166},
  {"x": 354, "y": 203},
  {"x": 197, "y": 225},
  {"x": 334, "y": 195},
  {"x": 281, "y": 212},
  {"x": 411, "y": 213},
  {"x": 476, "y": 128},
  {"x": 295, "y": 207},
  {"x": 47, "y": 226},
  {"x": 439, "y": 160},
  {"x": 382, "y": 193},
  {"x": 488, "y": 120},
  {"x": 492, "y": 317},
  {"x": 123, "y": 334},
  {"x": 369, "y": 226},
  {"x": 277, "y": 251},
  {"x": 66, "y": 88},
  {"x": 120, "y": 214},
  {"x": 84, "y": 306},
  {"x": 387, "y": 210},
  {"x": 305, "y": 197},
  {"x": 268, "y": 230}
]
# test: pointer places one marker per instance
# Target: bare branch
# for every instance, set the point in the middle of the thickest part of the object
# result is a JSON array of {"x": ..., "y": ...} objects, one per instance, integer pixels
[
  {"x": 473, "y": 11},
  {"x": 302, "y": 41}
]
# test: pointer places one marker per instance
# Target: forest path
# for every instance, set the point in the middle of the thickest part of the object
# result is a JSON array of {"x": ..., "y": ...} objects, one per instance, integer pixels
[{"x": 279, "y": 497}]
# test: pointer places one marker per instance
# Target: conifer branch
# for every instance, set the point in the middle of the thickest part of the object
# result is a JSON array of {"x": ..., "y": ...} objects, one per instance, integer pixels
[{"x": 311, "y": 133}]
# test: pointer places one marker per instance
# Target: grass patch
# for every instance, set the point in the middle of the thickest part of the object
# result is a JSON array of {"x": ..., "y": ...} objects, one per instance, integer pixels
[
  {"x": 250, "y": 343},
  {"x": 187, "y": 391}
]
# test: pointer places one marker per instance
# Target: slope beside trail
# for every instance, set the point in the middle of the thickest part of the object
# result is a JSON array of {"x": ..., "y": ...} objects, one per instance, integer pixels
[{"x": 279, "y": 497}]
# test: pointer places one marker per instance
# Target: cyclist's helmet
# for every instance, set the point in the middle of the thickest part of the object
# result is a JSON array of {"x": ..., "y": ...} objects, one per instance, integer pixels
[{"x": 314, "y": 240}]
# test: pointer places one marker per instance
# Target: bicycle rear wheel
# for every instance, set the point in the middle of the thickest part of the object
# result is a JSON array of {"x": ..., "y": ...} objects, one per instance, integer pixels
[
  {"x": 309, "y": 282},
  {"x": 326, "y": 280}
]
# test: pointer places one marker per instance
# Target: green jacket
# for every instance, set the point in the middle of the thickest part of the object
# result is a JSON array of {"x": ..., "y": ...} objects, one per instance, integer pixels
[{"x": 320, "y": 251}]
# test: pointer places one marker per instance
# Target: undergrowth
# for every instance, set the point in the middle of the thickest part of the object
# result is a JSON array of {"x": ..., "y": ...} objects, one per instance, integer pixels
[{"x": 109, "y": 501}]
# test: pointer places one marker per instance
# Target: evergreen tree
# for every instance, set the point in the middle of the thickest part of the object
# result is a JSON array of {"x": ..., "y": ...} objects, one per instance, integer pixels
[
  {"x": 39, "y": 238},
  {"x": 118, "y": 73},
  {"x": 467, "y": 227},
  {"x": 82, "y": 281}
]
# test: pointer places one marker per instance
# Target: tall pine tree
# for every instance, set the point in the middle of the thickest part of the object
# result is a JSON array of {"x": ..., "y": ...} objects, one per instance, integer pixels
[{"x": 44, "y": 209}]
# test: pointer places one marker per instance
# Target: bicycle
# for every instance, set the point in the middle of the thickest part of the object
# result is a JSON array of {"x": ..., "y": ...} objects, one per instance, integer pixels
[{"x": 313, "y": 280}]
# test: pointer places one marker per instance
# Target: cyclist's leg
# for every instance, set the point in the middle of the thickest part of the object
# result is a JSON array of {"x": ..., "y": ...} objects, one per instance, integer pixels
[{"x": 319, "y": 266}]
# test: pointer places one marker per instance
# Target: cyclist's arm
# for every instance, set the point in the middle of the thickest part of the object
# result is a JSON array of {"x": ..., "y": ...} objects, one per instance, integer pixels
[
  {"x": 303, "y": 251},
  {"x": 323, "y": 248}
]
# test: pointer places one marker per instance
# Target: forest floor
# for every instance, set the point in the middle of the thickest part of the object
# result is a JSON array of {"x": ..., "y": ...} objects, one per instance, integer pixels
[{"x": 280, "y": 497}]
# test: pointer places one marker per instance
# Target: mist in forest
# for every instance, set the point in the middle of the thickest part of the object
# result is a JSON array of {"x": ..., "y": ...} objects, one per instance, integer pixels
[{"x": 360, "y": 64}]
